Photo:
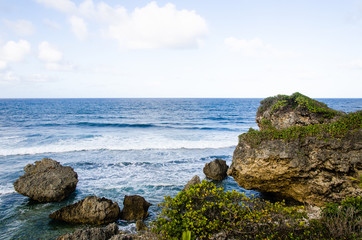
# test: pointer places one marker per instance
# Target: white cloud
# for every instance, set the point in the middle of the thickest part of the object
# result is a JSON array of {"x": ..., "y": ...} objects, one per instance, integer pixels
[
  {"x": 147, "y": 27},
  {"x": 354, "y": 64},
  {"x": 52, "y": 58},
  {"x": 65, "y": 6},
  {"x": 159, "y": 27},
  {"x": 79, "y": 27},
  {"x": 8, "y": 77},
  {"x": 53, "y": 66},
  {"x": 255, "y": 48},
  {"x": 14, "y": 51},
  {"x": 3, "y": 65},
  {"x": 49, "y": 53},
  {"x": 20, "y": 27},
  {"x": 52, "y": 24}
]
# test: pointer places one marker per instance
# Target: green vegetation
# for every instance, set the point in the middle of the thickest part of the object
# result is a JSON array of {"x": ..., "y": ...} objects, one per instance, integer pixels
[
  {"x": 205, "y": 210},
  {"x": 344, "y": 220},
  {"x": 296, "y": 100},
  {"x": 337, "y": 129}
]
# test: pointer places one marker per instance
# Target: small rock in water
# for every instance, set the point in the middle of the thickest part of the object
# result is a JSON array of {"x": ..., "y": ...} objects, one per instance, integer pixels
[
  {"x": 134, "y": 208},
  {"x": 92, "y": 233},
  {"x": 216, "y": 170},
  {"x": 47, "y": 181},
  {"x": 195, "y": 180},
  {"x": 140, "y": 225},
  {"x": 91, "y": 210}
]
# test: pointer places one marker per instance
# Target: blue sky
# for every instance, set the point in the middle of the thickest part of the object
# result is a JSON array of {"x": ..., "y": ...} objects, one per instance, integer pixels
[{"x": 188, "y": 48}]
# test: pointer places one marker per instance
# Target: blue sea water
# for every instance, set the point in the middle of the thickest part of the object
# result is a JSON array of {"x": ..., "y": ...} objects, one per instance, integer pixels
[{"x": 118, "y": 147}]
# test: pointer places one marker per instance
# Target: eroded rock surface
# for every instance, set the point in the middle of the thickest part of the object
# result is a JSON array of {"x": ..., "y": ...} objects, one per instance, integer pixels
[
  {"x": 134, "y": 208},
  {"x": 91, "y": 210},
  {"x": 311, "y": 171},
  {"x": 281, "y": 112},
  {"x": 310, "y": 162},
  {"x": 47, "y": 181},
  {"x": 194, "y": 180},
  {"x": 216, "y": 170},
  {"x": 92, "y": 233}
]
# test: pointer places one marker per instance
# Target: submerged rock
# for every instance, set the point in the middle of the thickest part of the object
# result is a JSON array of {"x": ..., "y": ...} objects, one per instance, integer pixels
[
  {"x": 134, "y": 208},
  {"x": 216, "y": 170},
  {"x": 92, "y": 233},
  {"x": 195, "y": 180},
  {"x": 91, "y": 210},
  {"x": 47, "y": 181},
  {"x": 312, "y": 164}
]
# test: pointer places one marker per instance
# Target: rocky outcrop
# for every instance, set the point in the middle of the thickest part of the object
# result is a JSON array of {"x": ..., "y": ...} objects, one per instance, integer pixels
[
  {"x": 312, "y": 164},
  {"x": 140, "y": 225},
  {"x": 92, "y": 233},
  {"x": 281, "y": 112},
  {"x": 195, "y": 180},
  {"x": 134, "y": 208},
  {"x": 47, "y": 181},
  {"x": 91, "y": 210},
  {"x": 216, "y": 170}
]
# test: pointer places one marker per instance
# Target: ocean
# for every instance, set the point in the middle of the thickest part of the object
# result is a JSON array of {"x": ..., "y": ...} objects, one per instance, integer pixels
[{"x": 118, "y": 147}]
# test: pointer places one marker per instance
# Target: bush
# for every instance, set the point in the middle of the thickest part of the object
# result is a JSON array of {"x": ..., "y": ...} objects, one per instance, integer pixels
[
  {"x": 344, "y": 220},
  {"x": 205, "y": 210}
]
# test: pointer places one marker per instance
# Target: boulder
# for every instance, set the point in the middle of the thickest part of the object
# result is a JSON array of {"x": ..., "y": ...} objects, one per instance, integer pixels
[
  {"x": 134, "y": 208},
  {"x": 195, "y": 180},
  {"x": 90, "y": 210},
  {"x": 140, "y": 225},
  {"x": 92, "y": 233},
  {"x": 216, "y": 170},
  {"x": 282, "y": 111},
  {"x": 313, "y": 164},
  {"x": 47, "y": 181}
]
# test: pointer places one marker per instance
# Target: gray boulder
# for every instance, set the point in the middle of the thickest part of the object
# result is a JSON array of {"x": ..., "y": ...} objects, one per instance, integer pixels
[
  {"x": 195, "y": 180},
  {"x": 92, "y": 233},
  {"x": 134, "y": 208},
  {"x": 91, "y": 210},
  {"x": 216, "y": 170},
  {"x": 47, "y": 181}
]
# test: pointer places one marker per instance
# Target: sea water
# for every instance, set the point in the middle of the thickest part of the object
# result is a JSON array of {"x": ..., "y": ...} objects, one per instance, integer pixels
[{"x": 118, "y": 147}]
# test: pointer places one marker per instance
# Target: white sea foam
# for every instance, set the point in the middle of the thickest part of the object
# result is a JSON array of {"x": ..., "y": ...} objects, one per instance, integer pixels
[
  {"x": 6, "y": 189},
  {"x": 118, "y": 143}
]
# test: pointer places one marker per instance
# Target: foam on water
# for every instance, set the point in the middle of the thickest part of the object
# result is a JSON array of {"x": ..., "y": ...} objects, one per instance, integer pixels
[{"x": 119, "y": 142}]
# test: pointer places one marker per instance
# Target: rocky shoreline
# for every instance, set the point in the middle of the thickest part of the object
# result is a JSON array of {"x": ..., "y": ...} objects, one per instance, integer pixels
[{"x": 313, "y": 165}]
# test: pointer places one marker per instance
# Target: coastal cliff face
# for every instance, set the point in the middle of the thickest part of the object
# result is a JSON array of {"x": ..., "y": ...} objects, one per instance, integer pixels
[{"x": 312, "y": 163}]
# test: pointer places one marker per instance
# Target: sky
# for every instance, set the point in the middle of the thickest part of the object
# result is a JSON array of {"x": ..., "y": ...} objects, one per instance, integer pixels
[{"x": 180, "y": 48}]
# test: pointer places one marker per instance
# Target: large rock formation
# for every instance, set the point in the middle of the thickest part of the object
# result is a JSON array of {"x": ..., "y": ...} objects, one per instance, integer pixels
[
  {"x": 313, "y": 164},
  {"x": 216, "y": 170},
  {"x": 47, "y": 181},
  {"x": 92, "y": 233},
  {"x": 134, "y": 208},
  {"x": 284, "y": 111},
  {"x": 91, "y": 210}
]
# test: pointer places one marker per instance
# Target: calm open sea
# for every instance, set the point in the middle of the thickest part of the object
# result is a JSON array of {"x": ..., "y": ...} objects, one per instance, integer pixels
[{"x": 118, "y": 147}]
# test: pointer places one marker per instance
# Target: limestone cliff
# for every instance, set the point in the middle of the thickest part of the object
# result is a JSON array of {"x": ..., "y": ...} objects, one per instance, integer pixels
[{"x": 311, "y": 162}]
